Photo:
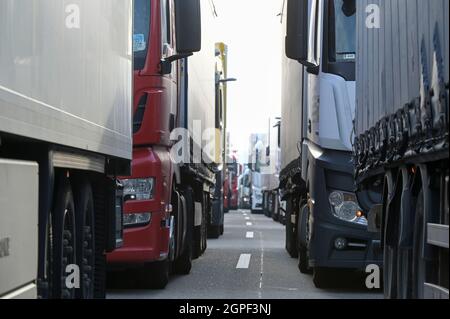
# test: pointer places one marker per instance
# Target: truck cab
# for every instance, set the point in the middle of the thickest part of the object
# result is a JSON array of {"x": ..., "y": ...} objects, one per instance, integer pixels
[
  {"x": 156, "y": 212},
  {"x": 325, "y": 227}
]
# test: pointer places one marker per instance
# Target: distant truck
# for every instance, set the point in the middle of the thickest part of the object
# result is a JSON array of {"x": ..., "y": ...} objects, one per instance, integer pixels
[
  {"x": 325, "y": 227},
  {"x": 271, "y": 203},
  {"x": 166, "y": 201},
  {"x": 231, "y": 187},
  {"x": 402, "y": 140},
  {"x": 260, "y": 177},
  {"x": 65, "y": 136},
  {"x": 244, "y": 189}
]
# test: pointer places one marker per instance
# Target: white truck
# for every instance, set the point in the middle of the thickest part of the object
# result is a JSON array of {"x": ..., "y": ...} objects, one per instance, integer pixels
[
  {"x": 260, "y": 171},
  {"x": 65, "y": 134},
  {"x": 325, "y": 227},
  {"x": 271, "y": 203}
]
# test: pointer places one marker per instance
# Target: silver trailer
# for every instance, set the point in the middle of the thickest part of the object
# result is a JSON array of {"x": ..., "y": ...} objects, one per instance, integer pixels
[
  {"x": 401, "y": 149},
  {"x": 65, "y": 133}
]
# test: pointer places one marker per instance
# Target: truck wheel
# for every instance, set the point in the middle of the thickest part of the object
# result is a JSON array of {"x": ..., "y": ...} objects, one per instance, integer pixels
[
  {"x": 85, "y": 221},
  {"x": 302, "y": 242},
  {"x": 291, "y": 238},
  {"x": 390, "y": 261},
  {"x": 207, "y": 210},
  {"x": 419, "y": 264},
  {"x": 276, "y": 210},
  {"x": 183, "y": 264},
  {"x": 214, "y": 231},
  {"x": 155, "y": 275},
  {"x": 324, "y": 277},
  {"x": 64, "y": 239},
  {"x": 303, "y": 260}
]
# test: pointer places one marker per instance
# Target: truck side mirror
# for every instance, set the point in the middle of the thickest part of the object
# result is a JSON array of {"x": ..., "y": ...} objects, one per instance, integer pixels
[
  {"x": 297, "y": 30},
  {"x": 188, "y": 26}
]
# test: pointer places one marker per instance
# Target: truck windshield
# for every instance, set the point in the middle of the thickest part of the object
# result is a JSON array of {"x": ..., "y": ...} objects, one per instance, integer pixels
[
  {"x": 141, "y": 30},
  {"x": 343, "y": 33}
]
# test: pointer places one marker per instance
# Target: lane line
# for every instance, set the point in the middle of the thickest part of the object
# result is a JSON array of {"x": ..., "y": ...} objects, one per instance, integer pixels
[
  {"x": 249, "y": 224},
  {"x": 250, "y": 234},
  {"x": 244, "y": 261},
  {"x": 261, "y": 278},
  {"x": 247, "y": 218}
]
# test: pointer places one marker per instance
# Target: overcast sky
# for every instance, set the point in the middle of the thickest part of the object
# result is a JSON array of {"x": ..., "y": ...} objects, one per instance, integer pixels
[{"x": 252, "y": 31}]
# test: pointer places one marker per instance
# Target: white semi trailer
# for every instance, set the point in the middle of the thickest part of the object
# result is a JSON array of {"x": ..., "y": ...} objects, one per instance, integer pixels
[
  {"x": 65, "y": 134},
  {"x": 402, "y": 146},
  {"x": 324, "y": 225}
]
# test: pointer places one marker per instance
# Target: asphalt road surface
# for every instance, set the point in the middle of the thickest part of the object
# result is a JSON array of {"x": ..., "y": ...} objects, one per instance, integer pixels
[{"x": 248, "y": 262}]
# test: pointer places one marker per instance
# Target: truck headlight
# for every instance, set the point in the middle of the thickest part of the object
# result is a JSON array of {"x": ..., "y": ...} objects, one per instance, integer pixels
[
  {"x": 345, "y": 207},
  {"x": 133, "y": 220},
  {"x": 138, "y": 189}
]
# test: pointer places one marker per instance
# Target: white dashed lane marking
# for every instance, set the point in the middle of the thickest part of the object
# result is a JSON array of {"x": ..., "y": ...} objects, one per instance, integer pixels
[
  {"x": 244, "y": 261},
  {"x": 249, "y": 224},
  {"x": 250, "y": 234}
]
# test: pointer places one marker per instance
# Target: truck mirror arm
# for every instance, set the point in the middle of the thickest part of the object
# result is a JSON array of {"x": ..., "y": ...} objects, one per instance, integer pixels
[
  {"x": 165, "y": 66},
  {"x": 313, "y": 69},
  {"x": 178, "y": 56}
]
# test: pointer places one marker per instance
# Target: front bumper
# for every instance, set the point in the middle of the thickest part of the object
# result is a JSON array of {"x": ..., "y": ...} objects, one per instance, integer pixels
[
  {"x": 148, "y": 243},
  {"x": 333, "y": 170},
  {"x": 143, "y": 244},
  {"x": 363, "y": 248}
]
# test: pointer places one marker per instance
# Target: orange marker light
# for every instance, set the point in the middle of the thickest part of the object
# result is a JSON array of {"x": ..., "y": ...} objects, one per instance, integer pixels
[{"x": 359, "y": 214}]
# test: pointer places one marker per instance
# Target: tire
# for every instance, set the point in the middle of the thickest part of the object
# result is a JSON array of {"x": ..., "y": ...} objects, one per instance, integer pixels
[
  {"x": 222, "y": 230},
  {"x": 390, "y": 275},
  {"x": 404, "y": 254},
  {"x": 214, "y": 231},
  {"x": 206, "y": 211},
  {"x": 100, "y": 208},
  {"x": 303, "y": 261},
  {"x": 275, "y": 217},
  {"x": 183, "y": 264},
  {"x": 419, "y": 264},
  {"x": 85, "y": 221},
  {"x": 276, "y": 210},
  {"x": 291, "y": 236},
  {"x": 302, "y": 242},
  {"x": 390, "y": 262},
  {"x": 63, "y": 238},
  {"x": 155, "y": 275},
  {"x": 324, "y": 278}
]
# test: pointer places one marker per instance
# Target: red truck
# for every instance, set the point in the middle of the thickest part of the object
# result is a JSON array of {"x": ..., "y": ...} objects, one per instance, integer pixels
[
  {"x": 165, "y": 203},
  {"x": 230, "y": 186}
]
